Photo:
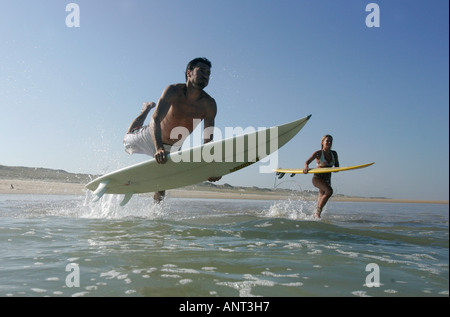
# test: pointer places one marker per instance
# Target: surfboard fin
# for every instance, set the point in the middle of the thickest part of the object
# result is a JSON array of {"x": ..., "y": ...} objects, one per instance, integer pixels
[
  {"x": 100, "y": 191},
  {"x": 126, "y": 199}
]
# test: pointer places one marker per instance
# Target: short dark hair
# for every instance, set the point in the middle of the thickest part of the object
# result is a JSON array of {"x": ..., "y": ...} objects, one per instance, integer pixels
[{"x": 194, "y": 63}]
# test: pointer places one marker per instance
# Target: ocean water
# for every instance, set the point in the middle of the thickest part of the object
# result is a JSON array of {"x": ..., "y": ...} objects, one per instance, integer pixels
[{"x": 63, "y": 246}]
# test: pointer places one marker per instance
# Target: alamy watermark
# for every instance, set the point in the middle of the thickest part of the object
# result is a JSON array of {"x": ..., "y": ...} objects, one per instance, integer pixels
[
  {"x": 237, "y": 145},
  {"x": 73, "y": 18},
  {"x": 373, "y": 18},
  {"x": 373, "y": 278},
  {"x": 73, "y": 278}
]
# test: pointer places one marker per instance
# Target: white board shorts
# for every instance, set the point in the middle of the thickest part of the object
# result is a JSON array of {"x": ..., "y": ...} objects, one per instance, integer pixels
[{"x": 140, "y": 141}]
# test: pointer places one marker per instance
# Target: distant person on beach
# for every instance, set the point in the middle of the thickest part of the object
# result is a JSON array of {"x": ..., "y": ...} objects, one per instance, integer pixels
[
  {"x": 180, "y": 106},
  {"x": 324, "y": 157}
]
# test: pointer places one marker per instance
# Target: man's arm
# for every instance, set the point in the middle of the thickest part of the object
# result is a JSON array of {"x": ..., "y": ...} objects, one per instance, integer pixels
[
  {"x": 208, "y": 128},
  {"x": 155, "y": 125}
]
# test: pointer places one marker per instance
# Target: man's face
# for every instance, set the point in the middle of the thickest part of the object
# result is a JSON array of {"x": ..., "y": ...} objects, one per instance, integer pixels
[{"x": 199, "y": 76}]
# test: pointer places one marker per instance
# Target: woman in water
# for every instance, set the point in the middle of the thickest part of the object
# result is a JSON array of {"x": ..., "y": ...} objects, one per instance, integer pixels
[{"x": 325, "y": 157}]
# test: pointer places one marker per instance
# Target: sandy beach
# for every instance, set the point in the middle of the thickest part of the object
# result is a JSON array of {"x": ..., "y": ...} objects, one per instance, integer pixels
[{"x": 37, "y": 187}]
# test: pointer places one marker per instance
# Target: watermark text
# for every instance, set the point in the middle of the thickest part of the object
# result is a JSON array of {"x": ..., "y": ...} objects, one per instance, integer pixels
[
  {"x": 73, "y": 278},
  {"x": 373, "y": 18},
  {"x": 73, "y": 18},
  {"x": 237, "y": 145},
  {"x": 373, "y": 278}
]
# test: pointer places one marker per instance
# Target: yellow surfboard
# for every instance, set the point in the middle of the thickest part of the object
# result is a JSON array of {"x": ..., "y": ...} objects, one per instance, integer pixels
[{"x": 321, "y": 170}]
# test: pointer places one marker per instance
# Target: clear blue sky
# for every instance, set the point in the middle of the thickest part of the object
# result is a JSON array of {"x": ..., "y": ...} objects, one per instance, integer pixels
[{"x": 67, "y": 95}]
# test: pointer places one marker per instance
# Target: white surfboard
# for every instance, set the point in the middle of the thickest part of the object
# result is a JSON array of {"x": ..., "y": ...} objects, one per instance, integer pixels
[{"x": 196, "y": 164}]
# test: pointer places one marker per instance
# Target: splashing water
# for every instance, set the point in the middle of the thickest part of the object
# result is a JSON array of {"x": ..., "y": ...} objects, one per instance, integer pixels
[
  {"x": 292, "y": 209},
  {"x": 108, "y": 207}
]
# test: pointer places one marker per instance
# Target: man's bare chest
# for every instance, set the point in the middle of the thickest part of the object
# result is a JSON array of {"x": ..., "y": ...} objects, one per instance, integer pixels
[{"x": 187, "y": 110}]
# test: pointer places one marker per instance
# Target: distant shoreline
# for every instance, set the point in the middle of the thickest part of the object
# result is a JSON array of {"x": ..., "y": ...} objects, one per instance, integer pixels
[{"x": 49, "y": 187}]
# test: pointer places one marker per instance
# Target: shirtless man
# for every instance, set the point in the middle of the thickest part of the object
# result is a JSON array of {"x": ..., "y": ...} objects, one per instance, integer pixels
[{"x": 180, "y": 105}]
